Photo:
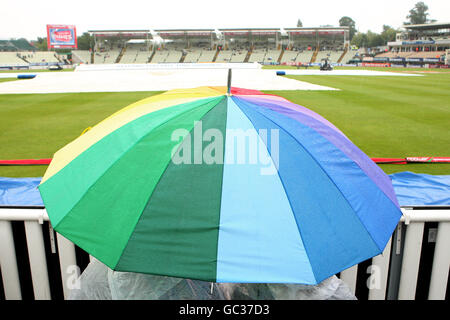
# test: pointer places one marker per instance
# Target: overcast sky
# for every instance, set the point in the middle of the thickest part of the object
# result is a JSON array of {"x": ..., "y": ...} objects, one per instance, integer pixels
[{"x": 29, "y": 18}]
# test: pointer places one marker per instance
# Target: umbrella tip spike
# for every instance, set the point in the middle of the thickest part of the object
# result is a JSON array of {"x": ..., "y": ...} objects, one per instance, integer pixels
[{"x": 229, "y": 83}]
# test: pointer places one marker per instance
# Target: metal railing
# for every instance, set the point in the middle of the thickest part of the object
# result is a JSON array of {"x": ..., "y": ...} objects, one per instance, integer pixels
[{"x": 403, "y": 250}]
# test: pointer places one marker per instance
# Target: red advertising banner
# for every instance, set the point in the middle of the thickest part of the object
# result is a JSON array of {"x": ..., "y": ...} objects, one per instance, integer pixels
[
  {"x": 330, "y": 32},
  {"x": 171, "y": 34},
  {"x": 61, "y": 36},
  {"x": 236, "y": 33},
  {"x": 374, "y": 64},
  {"x": 302, "y": 32}
]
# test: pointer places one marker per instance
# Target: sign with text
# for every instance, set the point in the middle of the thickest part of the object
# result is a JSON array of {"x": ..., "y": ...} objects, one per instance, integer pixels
[{"x": 61, "y": 36}]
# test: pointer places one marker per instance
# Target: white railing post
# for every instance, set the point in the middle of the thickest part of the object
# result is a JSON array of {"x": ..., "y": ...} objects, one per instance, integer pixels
[
  {"x": 38, "y": 262},
  {"x": 413, "y": 219},
  {"x": 349, "y": 277},
  {"x": 8, "y": 262},
  {"x": 67, "y": 260},
  {"x": 441, "y": 263},
  {"x": 381, "y": 265},
  {"x": 411, "y": 259}
]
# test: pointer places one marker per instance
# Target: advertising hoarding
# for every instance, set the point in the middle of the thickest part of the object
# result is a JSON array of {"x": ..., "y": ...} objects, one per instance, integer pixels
[{"x": 61, "y": 36}]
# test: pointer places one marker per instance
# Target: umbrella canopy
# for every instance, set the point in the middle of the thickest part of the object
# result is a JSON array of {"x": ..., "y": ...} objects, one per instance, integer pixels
[{"x": 201, "y": 184}]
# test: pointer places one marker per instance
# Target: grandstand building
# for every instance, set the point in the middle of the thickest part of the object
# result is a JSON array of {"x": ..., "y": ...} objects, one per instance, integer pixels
[
  {"x": 112, "y": 46},
  {"x": 418, "y": 44},
  {"x": 262, "y": 45},
  {"x": 20, "y": 54},
  {"x": 184, "y": 45},
  {"x": 311, "y": 45}
]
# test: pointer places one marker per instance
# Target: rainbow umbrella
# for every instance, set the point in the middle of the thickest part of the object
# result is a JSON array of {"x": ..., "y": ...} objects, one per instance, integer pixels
[{"x": 202, "y": 184}]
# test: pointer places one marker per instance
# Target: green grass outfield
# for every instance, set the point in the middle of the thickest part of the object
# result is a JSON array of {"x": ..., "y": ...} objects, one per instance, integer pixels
[
  {"x": 392, "y": 117},
  {"x": 402, "y": 70},
  {"x": 35, "y": 126},
  {"x": 384, "y": 116},
  {"x": 7, "y": 79}
]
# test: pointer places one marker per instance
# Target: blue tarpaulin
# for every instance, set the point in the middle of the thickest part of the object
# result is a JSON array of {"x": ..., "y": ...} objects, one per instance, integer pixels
[
  {"x": 20, "y": 192},
  {"x": 412, "y": 189}
]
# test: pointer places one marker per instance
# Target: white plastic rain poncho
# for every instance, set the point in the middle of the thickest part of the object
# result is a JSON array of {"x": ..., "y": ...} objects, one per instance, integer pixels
[{"x": 98, "y": 282}]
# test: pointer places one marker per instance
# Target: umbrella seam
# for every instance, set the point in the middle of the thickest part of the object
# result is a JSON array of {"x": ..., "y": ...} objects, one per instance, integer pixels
[
  {"x": 156, "y": 185},
  {"x": 90, "y": 187},
  {"x": 331, "y": 179},
  {"x": 221, "y": 190},
  {"x": 287, "y": 197},
  {"x": 339, "y": 131}
]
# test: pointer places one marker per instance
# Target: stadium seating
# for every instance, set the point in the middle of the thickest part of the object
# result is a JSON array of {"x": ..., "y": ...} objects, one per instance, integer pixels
[
  {"x": 207, "y": 55},
  {"x": 173, "y": 56},
  {"x": 272, "y": 56},
  {"x": 136, "y": 53},
  {"x": 131, "y": 51},
  {"x": 22, "y": 44},
  {"x": 193, "y": 55},
  {"x": 304, "y": 56},
  {"x": 159, "y": 56},
  {"x": 427, "y": 54},
  {"x": 11, "y": 59},
  {"x": 111, "y": 56},
  {"x": 224, "y": 56},
  {"x": 129, "y": 56},
  {"x": 106, "y": 56},
  {"x": 410, "y": 54},
  {"x": 257, "y": 55},
  {"x": 83, "y": 56},
  {"x": 289, "y": 56},
  {"x": 238, "y": 55},
  {"x": 39, "y": 57},
  {"x": 16, "y": 45},
  {"x": 331, "y": 55},
  {"x": 143, "y": 56},
  {"x": 350, "y": 54}
]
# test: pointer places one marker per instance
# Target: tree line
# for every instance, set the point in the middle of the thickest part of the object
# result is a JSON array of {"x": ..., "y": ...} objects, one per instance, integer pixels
[
  {"x": 85, "y": 42},
  {"x": 417, "y": 15}
]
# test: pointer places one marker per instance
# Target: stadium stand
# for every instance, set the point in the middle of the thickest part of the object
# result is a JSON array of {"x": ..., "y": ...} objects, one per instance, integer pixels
[
  {"x": 40, "y": 57},
  {"x": 224, "y": 56},
  {"x": 16, "y": 45},
  {"x": 314, "y": 55},
  {"x": 332, "y": 55},
  {"x": 129, "y": 56},
  {"x": 422, "y": 37},
  {"x": 107, "y": 56},
  {"x": 83, "y": 56},
  {"x": 207, "y": 55},
  {"x": 257, "y": 55},
  {"x": 173, "y": 56},
  {"x": 272, "y": 56},
  {"x": 11, "y": 59},
  {"x": 262, "y": 45},
  {"x": 427, "y": 54},
  {"x": 143, "y": 56},
  {"x": 304, "y": 56},
  {"x": 192, "y": 55},
  {"x": 349, "y": 55},
  {"x": 23, "y": 44},
  {"x": 238, "y": 55},
  {"x": 289, "y": 56},
  {"x": 160, "y": 56},
  {"x": 174, "y": 51},
  {"x": 136, "y": 53},
  {"x": 411, "y": 54}
]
